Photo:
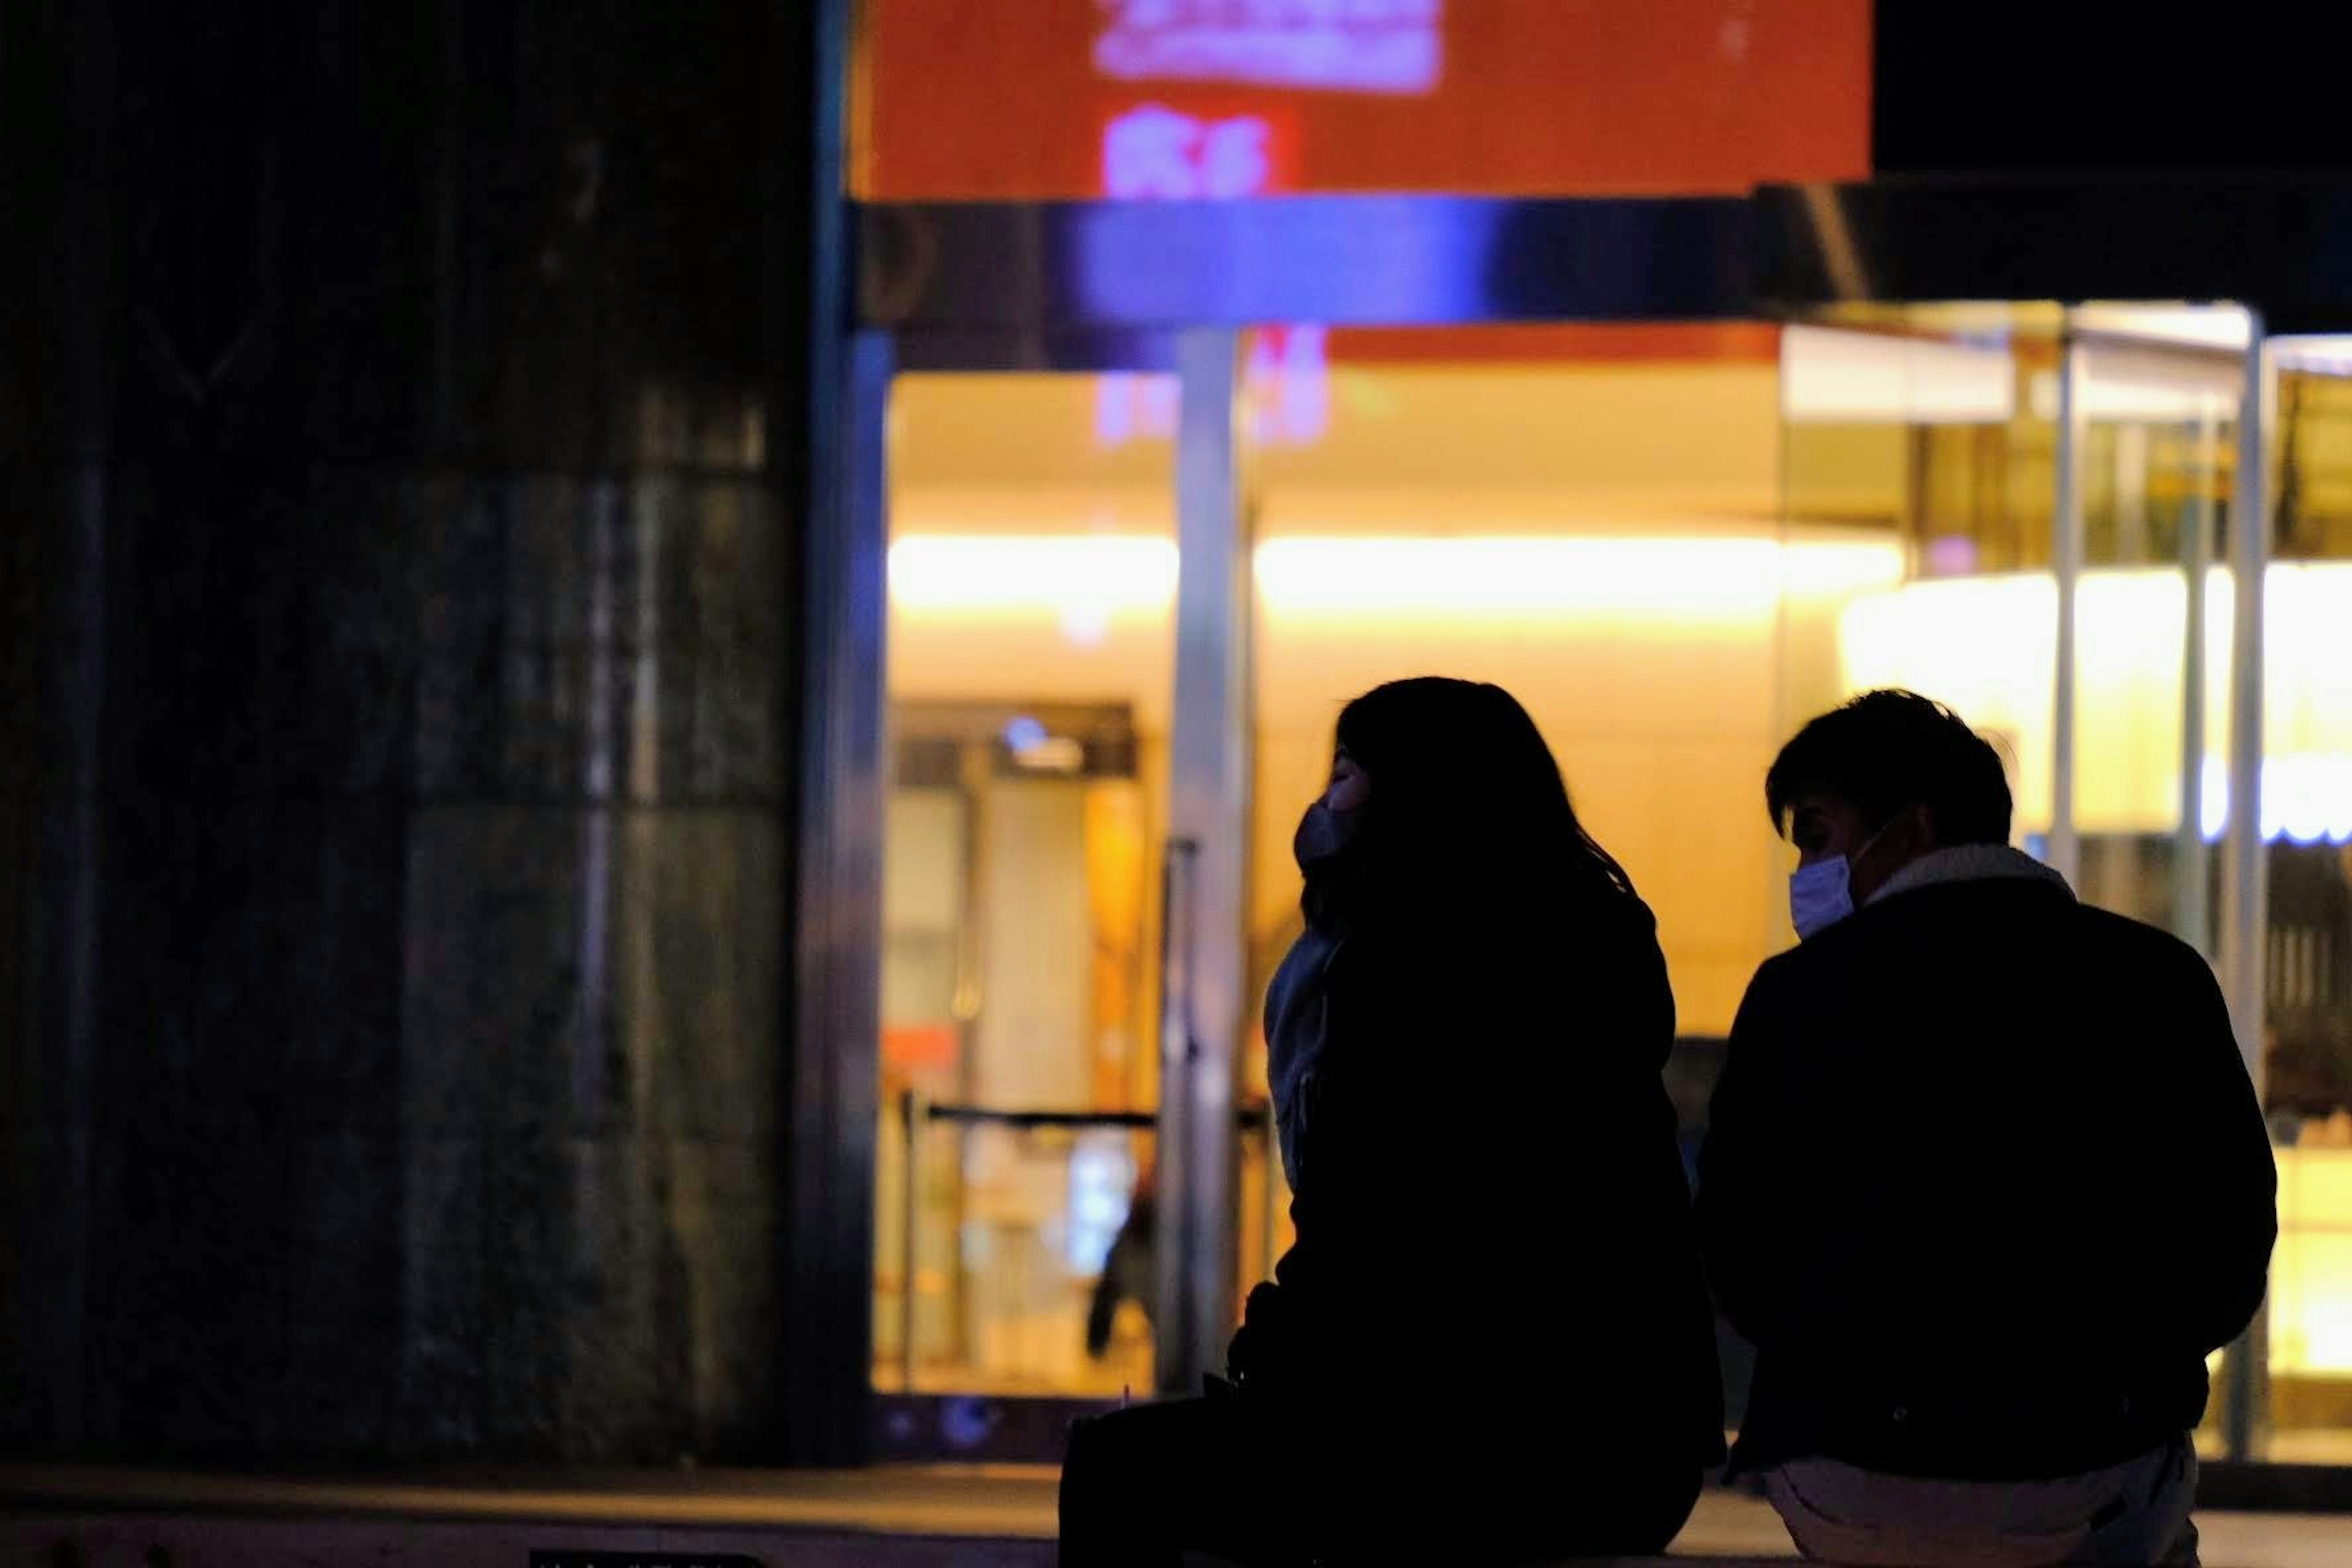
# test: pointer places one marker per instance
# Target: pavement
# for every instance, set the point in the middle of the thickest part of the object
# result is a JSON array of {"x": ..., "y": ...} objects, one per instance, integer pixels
[{"x": 890, "y": 1515}]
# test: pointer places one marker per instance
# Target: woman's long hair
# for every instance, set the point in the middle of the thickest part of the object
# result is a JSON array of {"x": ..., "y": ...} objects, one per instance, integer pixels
[{"x": 1468, "y": 825}]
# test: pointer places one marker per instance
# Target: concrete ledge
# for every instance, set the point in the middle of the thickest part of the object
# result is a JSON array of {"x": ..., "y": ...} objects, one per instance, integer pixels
[
  {"x": 197, "y": 1541},
  {"x": 182, "y": 1540},
  {"x": 2225, "y": 1484},
  {"x": 918, "y": 1517},
  {"x": 986, "y": 1502},
  {"x": 921, "y": 1517}
]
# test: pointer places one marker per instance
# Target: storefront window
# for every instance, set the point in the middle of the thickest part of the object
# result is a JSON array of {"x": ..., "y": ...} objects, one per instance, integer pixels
[{"x": 1674, "y": 544}]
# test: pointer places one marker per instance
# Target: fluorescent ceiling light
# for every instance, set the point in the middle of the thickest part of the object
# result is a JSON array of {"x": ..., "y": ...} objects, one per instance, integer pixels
[{"x": 1834, "y": 377}]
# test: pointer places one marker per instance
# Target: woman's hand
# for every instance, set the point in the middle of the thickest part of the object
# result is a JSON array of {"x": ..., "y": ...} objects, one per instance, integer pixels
[{"x": 1256, "y": 1355}]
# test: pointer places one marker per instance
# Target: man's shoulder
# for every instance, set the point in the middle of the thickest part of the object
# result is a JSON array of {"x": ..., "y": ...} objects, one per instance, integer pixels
[
  {"x": 2134, "y": 942},
  {"x": 2032, "y": 910},
  {"x": 1778, "y": 969},
  {"x": 1825, "y": 950},
  {"x": 1787, "y": 984},
  {"x": 2028, "y": 915}
]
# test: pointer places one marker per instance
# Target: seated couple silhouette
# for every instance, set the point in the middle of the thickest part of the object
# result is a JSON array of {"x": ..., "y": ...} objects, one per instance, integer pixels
[{"x": 1985, "y": 1182}]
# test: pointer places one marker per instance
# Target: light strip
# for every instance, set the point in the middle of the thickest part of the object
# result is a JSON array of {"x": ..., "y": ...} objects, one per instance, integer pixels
[
  {"x": 1354, "y": 577},
  {"x": 1059, "y": 574},
  {"x": 1830, "y": 376},
  {"x": 1509, "y": 576}
]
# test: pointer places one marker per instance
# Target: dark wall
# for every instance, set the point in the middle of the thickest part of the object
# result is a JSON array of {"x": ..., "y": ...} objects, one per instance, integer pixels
[
  {"x": 401, "y": 449},
  {"x": 2001, "y": 86}
]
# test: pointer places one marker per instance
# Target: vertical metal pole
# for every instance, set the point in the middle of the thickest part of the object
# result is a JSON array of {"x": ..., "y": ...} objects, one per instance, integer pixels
[
  {"x": 2191, "y": 903},
  {"x": 910, "y": 1211},
  {"x": 2245, "y": 911},
  {"x": 2065, "y": 853},
  {"x": 1209, "y": 808},
  {"x": 2132, "y": 447},
  {"x": 976, "y": 778},
  {"x": 1180, "y": 921}
]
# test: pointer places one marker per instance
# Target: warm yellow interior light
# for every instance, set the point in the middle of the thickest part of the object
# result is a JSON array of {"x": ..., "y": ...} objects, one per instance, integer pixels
[
  {"x": 1061, "y": 573},
  {"x": 2311, "y": 1276},
  {"x": 1474, "y": 577},
  {"x": 1987, "y": 645}
]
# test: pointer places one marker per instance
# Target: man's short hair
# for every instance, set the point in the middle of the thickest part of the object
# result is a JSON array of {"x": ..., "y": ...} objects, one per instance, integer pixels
[{"x": 1888, "y": 750}]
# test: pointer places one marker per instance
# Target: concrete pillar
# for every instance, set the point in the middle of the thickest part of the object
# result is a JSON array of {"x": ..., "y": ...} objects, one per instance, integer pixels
[{"x": 403, "y": 656}]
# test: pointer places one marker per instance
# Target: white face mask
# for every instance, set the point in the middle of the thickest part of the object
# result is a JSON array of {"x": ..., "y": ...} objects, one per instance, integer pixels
[{"x": 1821, "y": 894}]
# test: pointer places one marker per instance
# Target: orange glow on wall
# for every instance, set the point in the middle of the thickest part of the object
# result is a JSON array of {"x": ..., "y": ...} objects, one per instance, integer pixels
[
  {"x": 913, "y": 1048},
  {"x": 1006, "y": 102}
]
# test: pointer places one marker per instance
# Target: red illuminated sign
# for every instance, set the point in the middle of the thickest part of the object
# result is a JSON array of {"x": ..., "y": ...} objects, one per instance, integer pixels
[{"x": 1337, "y": 46}]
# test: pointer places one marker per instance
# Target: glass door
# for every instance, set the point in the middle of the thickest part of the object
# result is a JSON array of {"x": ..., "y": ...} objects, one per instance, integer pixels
[
  {"x": 1056, "y": 1156},
  {"x": 1032, "y": 586}
]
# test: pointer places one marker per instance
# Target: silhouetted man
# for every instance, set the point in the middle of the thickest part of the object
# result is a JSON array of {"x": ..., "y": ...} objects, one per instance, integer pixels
[{"x": 1986, "y": 1179}]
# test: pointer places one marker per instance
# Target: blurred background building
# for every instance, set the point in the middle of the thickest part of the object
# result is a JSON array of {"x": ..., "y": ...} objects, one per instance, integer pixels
[{"x": 660, "y": 666}]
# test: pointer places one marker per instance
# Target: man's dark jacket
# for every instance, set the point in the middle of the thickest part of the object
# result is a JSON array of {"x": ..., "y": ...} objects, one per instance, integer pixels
[{"x": 1985, "y": 1182}]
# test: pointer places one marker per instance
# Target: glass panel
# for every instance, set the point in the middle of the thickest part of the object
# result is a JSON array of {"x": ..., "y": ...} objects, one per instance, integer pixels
[
  {"x": 1925, "y": 438},
  {"x": 2160, "y": 427},
  {"x": 1031, "y": 573},
  {"x": 2159, "y": 431},
  {"x": 2307, "y": 824},
  {"x": 1959, "y": 454}
]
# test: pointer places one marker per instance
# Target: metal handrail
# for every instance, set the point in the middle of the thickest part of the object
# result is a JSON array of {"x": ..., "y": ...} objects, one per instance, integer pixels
[
  {"x": 1249, "y": 1117},
  {"x": 916, "y": 1112}
]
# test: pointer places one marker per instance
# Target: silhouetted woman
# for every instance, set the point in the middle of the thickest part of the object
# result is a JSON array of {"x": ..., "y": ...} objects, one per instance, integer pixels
[{"x": 1491, "y": 1342}]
